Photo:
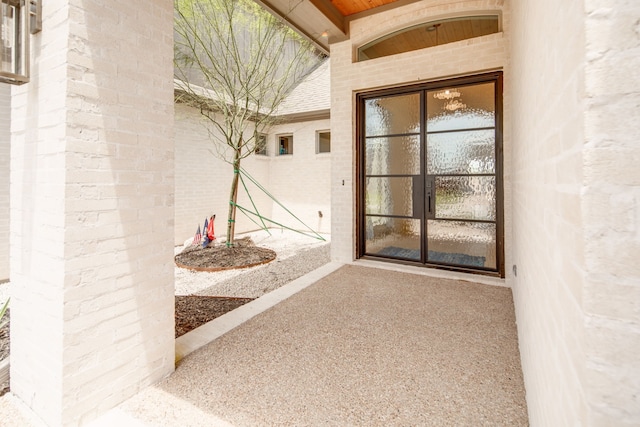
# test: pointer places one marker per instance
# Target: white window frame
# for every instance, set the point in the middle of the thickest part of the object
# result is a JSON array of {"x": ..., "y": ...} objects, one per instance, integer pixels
[
  {"x": 289, "y": 152},
  {"x": 318, "y": 132}
]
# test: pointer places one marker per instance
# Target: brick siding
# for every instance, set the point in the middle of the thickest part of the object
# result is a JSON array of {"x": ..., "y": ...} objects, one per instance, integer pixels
[
  {"x": 299, "y": 181},
  {"x": 5, "y": 151},
  {"x": 92, "y": 209}
]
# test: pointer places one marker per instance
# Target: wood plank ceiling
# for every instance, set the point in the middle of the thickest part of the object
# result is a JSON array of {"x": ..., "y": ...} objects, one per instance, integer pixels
[
  {"x": 350, "y": 7},
  {"x": 429, "y": 35},
  {"x": 325, "y": 21}
]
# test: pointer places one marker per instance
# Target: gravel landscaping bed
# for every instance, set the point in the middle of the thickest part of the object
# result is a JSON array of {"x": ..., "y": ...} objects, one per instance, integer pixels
[
  {"x": 212, "y": 294},
  {"x": 297, "y": 255}
]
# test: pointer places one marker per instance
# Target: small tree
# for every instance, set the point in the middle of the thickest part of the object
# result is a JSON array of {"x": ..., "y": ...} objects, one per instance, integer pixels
[{"x": 236, "y": 62}]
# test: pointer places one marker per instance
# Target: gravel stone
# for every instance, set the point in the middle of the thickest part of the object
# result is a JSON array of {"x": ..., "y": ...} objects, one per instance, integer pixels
[{"x": 297, "y": 255}]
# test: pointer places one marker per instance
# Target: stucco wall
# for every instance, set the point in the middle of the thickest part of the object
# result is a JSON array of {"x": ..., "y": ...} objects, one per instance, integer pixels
[
  {"x": 299, "y": 181},
  {"x": 5, "y": 137},
  {"x": 348, "y": 77}
]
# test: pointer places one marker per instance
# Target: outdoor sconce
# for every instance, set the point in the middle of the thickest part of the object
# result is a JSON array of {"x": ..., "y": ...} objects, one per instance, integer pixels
[{"x": 18, "y": 19}]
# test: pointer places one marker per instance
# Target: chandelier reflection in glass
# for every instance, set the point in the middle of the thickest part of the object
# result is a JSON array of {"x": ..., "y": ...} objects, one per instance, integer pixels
[{"x": 450, "y": 96}]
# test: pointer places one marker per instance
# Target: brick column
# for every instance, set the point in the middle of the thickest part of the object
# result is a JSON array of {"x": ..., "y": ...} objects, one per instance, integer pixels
[{"x": 92, "y": 209}]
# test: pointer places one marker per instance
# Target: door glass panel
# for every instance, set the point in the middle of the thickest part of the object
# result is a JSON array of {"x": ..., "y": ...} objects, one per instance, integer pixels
[
  {"x": 393, "y": 237},
  {"x": 469, "y": 244},
  {"x": 463, "y": 107},
  {"x": 466, "y": 197},
  {"x": 399, "y": 155},
  {"x": 429, "y": 162},
  {"x": 466, "y": 152},
  {"x": 389, "y": 196},
  {"x": 392, "y": 115}
]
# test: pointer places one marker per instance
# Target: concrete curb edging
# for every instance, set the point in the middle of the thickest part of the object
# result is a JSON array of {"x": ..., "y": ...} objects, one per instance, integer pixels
[{"x": 208, "y": 332}]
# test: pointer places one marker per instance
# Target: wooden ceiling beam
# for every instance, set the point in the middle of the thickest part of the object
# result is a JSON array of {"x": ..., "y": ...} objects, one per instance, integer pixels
[
  {"x": 331, "y": 12},
  {"x": 308, "y": 21},
  {"x": 313, "y": 18}
]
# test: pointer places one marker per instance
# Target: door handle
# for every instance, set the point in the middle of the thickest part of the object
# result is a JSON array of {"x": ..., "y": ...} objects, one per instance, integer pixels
[{"x": 430, "y": 196}]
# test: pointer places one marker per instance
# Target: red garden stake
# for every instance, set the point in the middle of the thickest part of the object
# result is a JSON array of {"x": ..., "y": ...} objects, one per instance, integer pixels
[{"x": 210, "y": 231}]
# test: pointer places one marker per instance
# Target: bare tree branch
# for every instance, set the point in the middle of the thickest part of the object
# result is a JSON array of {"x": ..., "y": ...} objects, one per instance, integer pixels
[{"x": 236, "y": 63}]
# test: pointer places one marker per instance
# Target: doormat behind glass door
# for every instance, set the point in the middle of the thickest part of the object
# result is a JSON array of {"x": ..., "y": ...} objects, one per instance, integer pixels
[{"x": 443, "y": 257}]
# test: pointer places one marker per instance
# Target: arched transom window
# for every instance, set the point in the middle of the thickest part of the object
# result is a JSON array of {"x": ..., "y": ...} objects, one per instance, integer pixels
[{"x": 429, "y": 34}]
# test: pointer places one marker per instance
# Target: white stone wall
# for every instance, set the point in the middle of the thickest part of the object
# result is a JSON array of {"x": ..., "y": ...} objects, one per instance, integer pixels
[
  {"x": 611, "y": 212},
  {"x": 300, "y": 181},
  {"x": 5, "y": 137},
  {"x": 440, "y": 62},
  {"x": 576, "y": 198},
  {"x": 92, "y": 209}
]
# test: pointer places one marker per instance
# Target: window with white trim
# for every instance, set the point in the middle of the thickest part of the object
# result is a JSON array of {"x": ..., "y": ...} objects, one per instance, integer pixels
[
  {"x": 285, "y": 144},
  {"x": 323, "y": 142}
]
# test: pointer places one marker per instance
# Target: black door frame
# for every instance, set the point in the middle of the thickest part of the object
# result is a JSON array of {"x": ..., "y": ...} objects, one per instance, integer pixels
[{"x": 496, "y": 77}]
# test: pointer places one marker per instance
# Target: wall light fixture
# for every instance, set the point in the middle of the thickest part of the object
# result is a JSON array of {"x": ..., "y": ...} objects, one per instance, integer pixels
[{"x": 18, "y": 19}]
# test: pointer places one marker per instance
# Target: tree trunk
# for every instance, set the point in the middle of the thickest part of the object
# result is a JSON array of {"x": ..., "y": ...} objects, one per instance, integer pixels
[{"x": 233, "y": 199}]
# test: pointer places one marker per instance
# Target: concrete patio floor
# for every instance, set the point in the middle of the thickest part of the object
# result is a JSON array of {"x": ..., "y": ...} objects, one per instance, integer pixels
[
  {"x": 347, "y": 346},
  {"x": 360, "y": 346}
]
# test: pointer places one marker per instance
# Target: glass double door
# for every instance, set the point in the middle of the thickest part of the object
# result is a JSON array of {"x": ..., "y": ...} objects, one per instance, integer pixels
[{"x": 430, "y": 174}]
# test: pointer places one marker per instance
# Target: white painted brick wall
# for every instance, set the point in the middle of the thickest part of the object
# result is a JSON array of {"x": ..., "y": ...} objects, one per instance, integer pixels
[
  {"x": 575, "y": 198},
  {"x": 92, "y": 209},
  {"x": 203, "y": 180},
  {"x": 37, "y": 222},
  {"x": 348, "y": 78},
  {"x": 300, "y": 182},
  {"x": 5, "y": 137},
  {"x": 548, "y": 136}
]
